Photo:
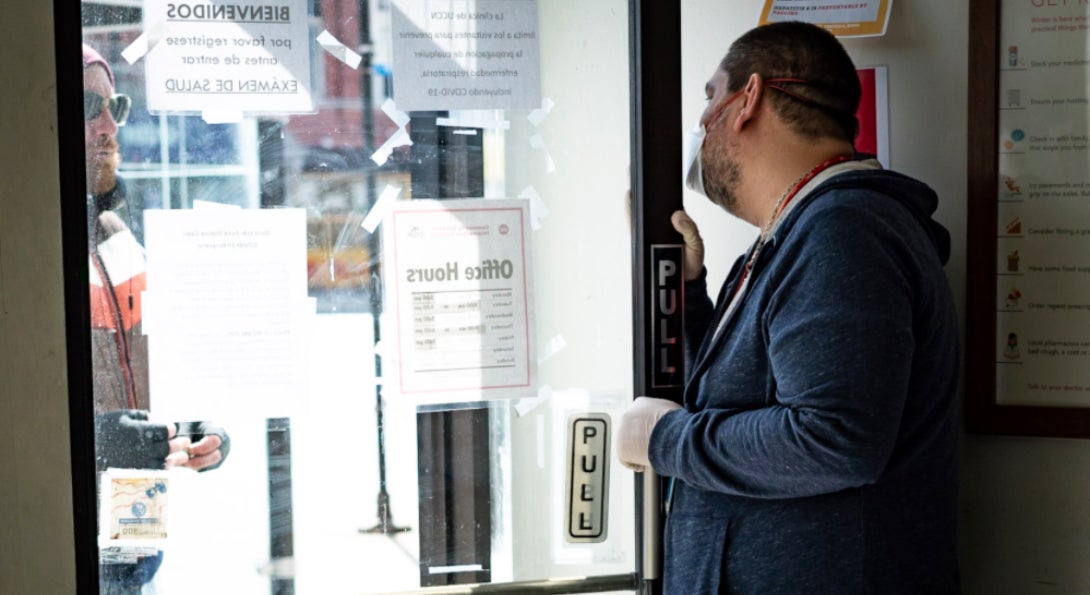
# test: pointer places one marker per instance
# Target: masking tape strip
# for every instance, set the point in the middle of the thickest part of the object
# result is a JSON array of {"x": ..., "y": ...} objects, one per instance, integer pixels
[
  {"x": 455, "y": 569},
  {"x": 144, "y": 43},
  {"x": 400, "y": 138},
  {"x": 209, "y": 205},
  {"x": 538, "y": 142},
  {"x": 474, "y": 123},
  {"x": 338, "y": 50},
  {"x": 535, "y": 117},
  {"x": 227, "y": 116},
  {"x": 528, "y": 404},
  {"x": 538, "y": 209},
  {"x": 378, "y": 210},
  {"x": 552, "y": 347},
  {"x": 390, "y": 109}
]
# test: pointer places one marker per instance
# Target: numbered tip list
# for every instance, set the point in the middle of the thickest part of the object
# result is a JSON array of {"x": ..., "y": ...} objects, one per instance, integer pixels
[
  {"x": 1059, "y": 23},
  {"x": 1066, "y": 388},
  {"x": 1061, "y": 190},
  {"x": 1059, "y": 143}
]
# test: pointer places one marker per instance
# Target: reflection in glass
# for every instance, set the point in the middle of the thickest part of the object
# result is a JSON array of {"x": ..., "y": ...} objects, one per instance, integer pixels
[{"x": 353, "y": 488}]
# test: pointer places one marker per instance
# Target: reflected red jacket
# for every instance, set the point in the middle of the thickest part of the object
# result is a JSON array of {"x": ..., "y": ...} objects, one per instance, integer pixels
[{"x": 117, "y": 273}]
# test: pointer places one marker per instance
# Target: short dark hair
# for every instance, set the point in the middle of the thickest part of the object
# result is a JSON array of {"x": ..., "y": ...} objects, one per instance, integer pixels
[{"x": 825, "y": 105}]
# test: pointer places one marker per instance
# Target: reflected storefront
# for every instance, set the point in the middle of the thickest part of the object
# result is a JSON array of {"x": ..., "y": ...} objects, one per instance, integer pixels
[{"x": 366, "y": 277}]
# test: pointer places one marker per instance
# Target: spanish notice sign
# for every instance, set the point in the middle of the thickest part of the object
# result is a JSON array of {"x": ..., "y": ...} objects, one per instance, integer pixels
[
  {"x": 466, "y": 54},
  {"x": 228, "y": 57}
]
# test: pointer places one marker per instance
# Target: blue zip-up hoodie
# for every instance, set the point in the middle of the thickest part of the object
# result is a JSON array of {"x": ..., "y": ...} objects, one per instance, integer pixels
[{"x": 816, "y": 449}]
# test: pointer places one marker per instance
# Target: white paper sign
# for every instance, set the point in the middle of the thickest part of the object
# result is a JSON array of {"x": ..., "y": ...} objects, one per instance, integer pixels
[
  {"x": 466, "y": 54},
  {"x": 458, "y": 288},
  {"x": 844, "y": 18},
  {"x": 246, "y": 57},
  {"x": 133, "y": 507},
  {"x": 226, "y": 312}
]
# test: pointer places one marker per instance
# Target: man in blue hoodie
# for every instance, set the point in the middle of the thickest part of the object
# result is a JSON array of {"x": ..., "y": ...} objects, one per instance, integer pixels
[{"x": 815, "y": 447}]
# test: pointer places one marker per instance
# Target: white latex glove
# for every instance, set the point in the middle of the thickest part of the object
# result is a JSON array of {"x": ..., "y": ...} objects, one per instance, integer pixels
[
  {"x": 694, "y": 244},
  {"x": 635, "y": 433}
]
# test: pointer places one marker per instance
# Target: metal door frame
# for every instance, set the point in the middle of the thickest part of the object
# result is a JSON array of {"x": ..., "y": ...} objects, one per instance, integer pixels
[{"x": 655, "y": 67}]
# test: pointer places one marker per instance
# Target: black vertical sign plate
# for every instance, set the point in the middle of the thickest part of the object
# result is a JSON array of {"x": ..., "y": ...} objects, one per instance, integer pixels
[{"x": 667, "y": 355}]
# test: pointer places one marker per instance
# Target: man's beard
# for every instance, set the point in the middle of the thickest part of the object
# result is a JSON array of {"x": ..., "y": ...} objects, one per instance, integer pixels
[
  {"x": 102, "y": 168},
  {"x": 722, "y": 175}
]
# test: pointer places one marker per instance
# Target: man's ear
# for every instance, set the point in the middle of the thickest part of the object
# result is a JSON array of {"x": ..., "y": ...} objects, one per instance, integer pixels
[{"x": 751, "y": 101}]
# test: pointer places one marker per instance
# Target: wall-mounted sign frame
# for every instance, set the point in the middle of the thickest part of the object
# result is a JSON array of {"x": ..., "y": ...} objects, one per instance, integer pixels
[
  {"x": 860, "y": 18},
  {"x": 1028, "y": 285}
]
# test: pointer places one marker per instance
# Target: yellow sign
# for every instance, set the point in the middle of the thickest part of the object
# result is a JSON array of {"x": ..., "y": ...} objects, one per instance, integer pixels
[{"x": 843, "y": 18}]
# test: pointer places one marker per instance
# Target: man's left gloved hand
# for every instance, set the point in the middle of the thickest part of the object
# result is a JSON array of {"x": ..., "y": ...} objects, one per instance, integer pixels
[
  {"x": 637, "y": 422},
  {"x": 208, "y": 444},
  {"x": 127, "y": 439}
]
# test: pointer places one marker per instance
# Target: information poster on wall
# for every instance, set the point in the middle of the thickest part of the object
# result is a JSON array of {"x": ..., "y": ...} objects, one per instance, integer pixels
[
  {"x": 466, "y": 54},
  {"x": 1042, "y": 345},
  {"x": 844, "y": 18},
  {"x": 226, "y": 312},
  {"x": 457, "y": 281},
  {"x": 225, "y": 59}
]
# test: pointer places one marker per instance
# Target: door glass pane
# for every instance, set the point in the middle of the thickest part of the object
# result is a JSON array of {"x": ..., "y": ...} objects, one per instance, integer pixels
[{"x": 377, "y": 252}]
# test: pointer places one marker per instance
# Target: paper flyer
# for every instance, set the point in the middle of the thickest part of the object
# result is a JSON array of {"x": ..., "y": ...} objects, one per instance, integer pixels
[
  {"x": 458, "y": 279},
  {"x": 226, "y": 312},
  {"x": 466, "y": 55},
  {"x": 844, "y": 18},
  {"x": 233, "y": 58}
]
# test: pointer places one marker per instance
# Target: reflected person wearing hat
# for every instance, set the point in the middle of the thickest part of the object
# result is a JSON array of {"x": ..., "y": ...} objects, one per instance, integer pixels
[{"x": 125, "y": 435}]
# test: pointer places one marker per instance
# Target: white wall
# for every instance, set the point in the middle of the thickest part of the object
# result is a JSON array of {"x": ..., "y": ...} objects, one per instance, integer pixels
[
  {"x": 36, "y": 551},
  {"x": 1025, "y": 502}
]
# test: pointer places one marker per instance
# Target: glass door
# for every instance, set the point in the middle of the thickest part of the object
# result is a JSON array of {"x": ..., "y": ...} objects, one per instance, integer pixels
[{"x": 361, "y": 292}]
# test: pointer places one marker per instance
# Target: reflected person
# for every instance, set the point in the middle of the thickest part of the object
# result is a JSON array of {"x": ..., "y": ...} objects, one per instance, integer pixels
[
  {"x": 814, "y": 450},
  {"x": 125, "y": 435}
]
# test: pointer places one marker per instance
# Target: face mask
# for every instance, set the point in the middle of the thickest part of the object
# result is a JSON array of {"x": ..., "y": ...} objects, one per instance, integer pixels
[
  {"x": 694, "y": 173},
  {"x": 694, "y": 170}
]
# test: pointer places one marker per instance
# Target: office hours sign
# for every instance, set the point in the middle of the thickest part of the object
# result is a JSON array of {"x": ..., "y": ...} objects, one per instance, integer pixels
[{"x": 457, "y": 281}]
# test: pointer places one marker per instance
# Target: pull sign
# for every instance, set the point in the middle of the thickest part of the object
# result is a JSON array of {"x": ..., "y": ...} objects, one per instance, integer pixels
[
  {"x": 586, "y": 505},
  {"x": 667, "y": 316}
]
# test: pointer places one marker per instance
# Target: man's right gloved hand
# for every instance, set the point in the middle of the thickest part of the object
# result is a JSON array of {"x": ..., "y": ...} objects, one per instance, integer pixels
[
  {"x": 128, "y": 440},
  {"x": 694, "y": 244}
]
